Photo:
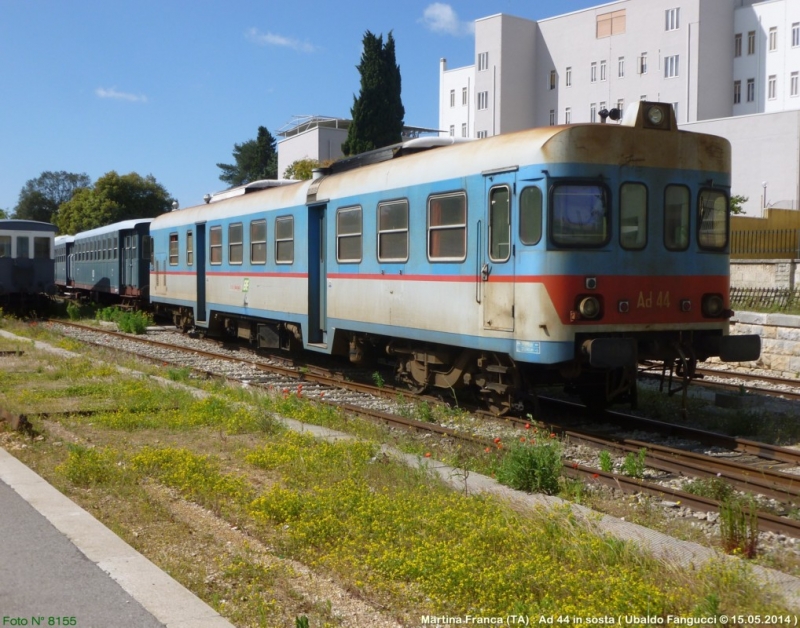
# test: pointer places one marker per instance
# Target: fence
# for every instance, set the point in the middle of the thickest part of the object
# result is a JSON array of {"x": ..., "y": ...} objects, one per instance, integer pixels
[
  {"x": 771, "y": 299},
  {"x": 766, "y": 244}
]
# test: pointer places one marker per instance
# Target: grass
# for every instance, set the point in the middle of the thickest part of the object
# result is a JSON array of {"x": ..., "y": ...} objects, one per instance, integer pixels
[{"x": 390, "y": 535}]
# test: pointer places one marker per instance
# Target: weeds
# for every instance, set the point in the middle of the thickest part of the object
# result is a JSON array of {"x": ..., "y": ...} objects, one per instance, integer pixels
[
  {"x": 738, "y": 521},
  {"x": 533, "y": 464},
  {"x": 605, "y": 461},
  {"x": 633, "y": 465}
]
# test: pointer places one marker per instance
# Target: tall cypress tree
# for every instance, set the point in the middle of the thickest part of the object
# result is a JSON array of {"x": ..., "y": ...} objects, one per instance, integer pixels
[{"x": 378, "y": 111}]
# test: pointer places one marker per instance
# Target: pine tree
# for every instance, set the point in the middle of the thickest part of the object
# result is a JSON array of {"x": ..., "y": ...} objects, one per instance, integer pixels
[
  {"x": 255, "y": 159},
  {"x": 378, "y": 111}
]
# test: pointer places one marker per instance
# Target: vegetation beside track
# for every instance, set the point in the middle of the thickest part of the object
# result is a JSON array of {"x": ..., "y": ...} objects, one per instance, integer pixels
[{"x": 136, "y": 453}]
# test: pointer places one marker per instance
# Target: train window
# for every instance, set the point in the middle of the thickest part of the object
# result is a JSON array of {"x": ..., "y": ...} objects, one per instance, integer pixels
[
  {"x": 676, "y": 218},
  {"x": 393, "y": 231},
  {"x": 447, "y": 227},
  {"x": 5, "y": 246},
  {"x": 580, "y": 215},
  {"x": 174, "y": 253},
  {"x": 147, "y": 243},
  {"x": 116, "y": 248},
  {"x": 258, "y": 242},
  {"x": 284, "y": 240},
  {"x": 23, "y": 247},
  {"x": 41, "y": 248},
  {"x": 530, "y": 216},
  {"x": 348, "y": 234},
  {"x": 499, "y": 224},
  {"x": 215, "y": 245},
  {"x": 633, "y": 216},
  {"x": 713, "y": 220},
  {"x": 235, "y": 235},
  {"x": 189, "y": 248}
]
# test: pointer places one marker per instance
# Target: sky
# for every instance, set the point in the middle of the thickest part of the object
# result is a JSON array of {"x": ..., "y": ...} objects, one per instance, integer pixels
[{"x": 167, "y": 87}]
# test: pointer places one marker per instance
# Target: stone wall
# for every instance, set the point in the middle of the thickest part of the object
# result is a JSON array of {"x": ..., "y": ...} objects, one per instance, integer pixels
[
  {"x": 780, "y": 340},
  {"x": 783, "y": 273}
]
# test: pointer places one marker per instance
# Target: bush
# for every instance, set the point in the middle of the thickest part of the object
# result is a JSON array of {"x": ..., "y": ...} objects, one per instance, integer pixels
[{"x": 533, "y": 464}]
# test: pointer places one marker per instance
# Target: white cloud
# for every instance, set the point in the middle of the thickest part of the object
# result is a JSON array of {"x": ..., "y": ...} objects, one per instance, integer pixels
[
  {"x": 114, "y": 94},
  {"x": 271, "y": 39},
  {"x": 441, "y": 18}
]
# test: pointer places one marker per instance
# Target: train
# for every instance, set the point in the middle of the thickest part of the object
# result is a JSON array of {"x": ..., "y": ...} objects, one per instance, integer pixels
[
  {"x": 26, "y": 263},
  {"x": 566, "y": 255},
  {"x": 108, "y": 264}
]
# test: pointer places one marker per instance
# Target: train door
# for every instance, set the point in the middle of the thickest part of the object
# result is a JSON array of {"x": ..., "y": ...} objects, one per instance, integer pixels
[
  {"x": 128, "y": 263},
  {"x": 317, "y": 275},
  {"x": 200, "y": 260},
  {"x": 497, "y": 256}
]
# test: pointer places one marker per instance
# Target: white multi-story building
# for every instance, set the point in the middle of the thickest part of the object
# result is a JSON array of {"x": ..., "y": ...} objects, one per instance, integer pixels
[{"x": 717, "y": 61}]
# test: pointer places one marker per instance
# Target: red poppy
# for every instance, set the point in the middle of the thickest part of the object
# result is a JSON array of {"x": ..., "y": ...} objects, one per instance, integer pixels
[
  {"x": 427, "y": 454},
  {"x": 496, "y": 440},
  {"x": 595, "y": 475},
  {"x": 527, "y": 426}
]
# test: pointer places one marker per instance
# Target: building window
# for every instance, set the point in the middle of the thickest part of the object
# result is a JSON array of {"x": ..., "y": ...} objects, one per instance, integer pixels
[
  {"x": 568, "y": 77},
  {"x": 483, "y": 61},
  {"x": 643, "y": 63},
  {"x": 675, "y": 110},
  {"x": 284, "y": 240},
  {"x": 174, "y": 253},
  {"x": 737, "y": 45},
  {"x": 672, "y": 19},
  {"x": 793, "y": 84},
  {"x": 452, "y": 98},
  {"x": 751, "y": 42},
  {"x": 593, "y": 72},
  {"x": 258, "y": 242},
  {"x": 593, "y": 112},
  {"x": 483, "y": 135},
  {"x": 235, "y": 233},
  {"x": 552, "y": 79},
  {"x": 671, "y": 66},
  {"x": 621, "y": 67},
  {"x": 552, "y": 117},
  {"x": 609, "y": 24},
  {"x": 603, "y": 75},
  {"x": 189, "y": 248},
  {"x": 751, "y": 90},
  {"x": 773, "y": 38},
  {"x": 567, "y": 116},
  {"x": 393, "y": 231},
  {"x": 447, "y": 227},
  {"x": 463, "y": 129},
  {"x": 464, "y": 96},
  {"x": 483, "y": 100},
  {"x": 621, "y": 105},
  {"x": 215, "y": 245},
  {"x": 452, "y": 130},
  {"x": 772, "y": 86},
  {"x": 795, "y": 34},
  {"x": 737, "y": 92}
]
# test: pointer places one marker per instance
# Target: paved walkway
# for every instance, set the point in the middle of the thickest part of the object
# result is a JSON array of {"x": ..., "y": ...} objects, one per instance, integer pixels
[{"x": 59, "y": 562}]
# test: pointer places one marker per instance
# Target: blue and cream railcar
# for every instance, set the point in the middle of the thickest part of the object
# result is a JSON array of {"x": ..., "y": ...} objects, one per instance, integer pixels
[
  {"x": 26, "y": 259},
  {"x": 557, "y": 254},
  {"x": 63, "y": 267},
  {"x": 112, "y": 262}
]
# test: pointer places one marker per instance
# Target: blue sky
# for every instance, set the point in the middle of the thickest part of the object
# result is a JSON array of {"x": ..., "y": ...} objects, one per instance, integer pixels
[{"x": 166, "y": 87}]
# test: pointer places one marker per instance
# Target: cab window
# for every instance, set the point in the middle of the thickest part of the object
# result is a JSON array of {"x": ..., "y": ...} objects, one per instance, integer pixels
[
  {"x": 633, "y": 216},
  {"x": 579, "y": 215}
]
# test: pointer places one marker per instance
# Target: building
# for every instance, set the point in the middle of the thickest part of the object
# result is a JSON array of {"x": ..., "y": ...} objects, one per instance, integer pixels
[
  {"x": 729, "y": 67},
  {"x": 320, "y": 138}
]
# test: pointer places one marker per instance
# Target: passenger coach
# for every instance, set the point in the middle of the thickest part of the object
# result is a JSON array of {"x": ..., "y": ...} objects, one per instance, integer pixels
[{"x": 26, "y": 259}]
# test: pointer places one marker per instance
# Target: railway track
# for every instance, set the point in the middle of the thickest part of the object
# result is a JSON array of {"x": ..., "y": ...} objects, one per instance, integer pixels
[{"x": 370, "y": 401}]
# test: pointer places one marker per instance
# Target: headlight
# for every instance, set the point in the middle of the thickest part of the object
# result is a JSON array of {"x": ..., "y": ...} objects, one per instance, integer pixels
[
  {"x": 655, "y": 115},
  {"x": 589, "y": 307},
  {"x": 713, "y": 305}
]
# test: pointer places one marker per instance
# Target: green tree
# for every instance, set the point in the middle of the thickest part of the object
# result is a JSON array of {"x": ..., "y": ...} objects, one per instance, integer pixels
[
  {"x": 41, "y": 197},
  {"x": 113, "y": 198},
  {"x": 255, "y": 159},
  {"x": 378, "y": 111},
  {"x": 301, "y": 169},
  {"x": 736, "y": 203},
  {"x": 3, "y": 214}
]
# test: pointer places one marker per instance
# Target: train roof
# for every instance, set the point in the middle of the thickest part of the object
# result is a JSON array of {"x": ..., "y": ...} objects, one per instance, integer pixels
[
  {"x": 113, "y": 228},
  {"x": 16, "y": 224},
  {"x": 64, "y": 239},
  {"x": 428, "y": 160}
]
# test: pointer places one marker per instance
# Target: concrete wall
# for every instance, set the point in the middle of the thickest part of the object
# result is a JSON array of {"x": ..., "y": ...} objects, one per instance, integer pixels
[
  {"x": 765, "y": 274},
  {"x": 780, "y": 340}
]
